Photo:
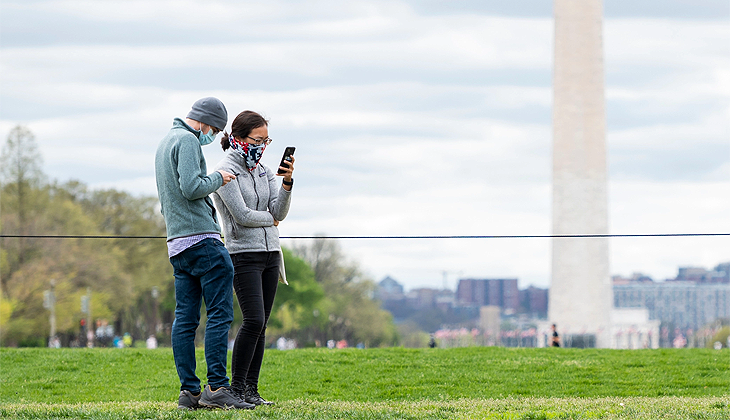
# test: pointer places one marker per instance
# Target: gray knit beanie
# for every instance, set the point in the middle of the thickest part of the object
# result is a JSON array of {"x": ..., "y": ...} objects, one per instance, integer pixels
[{"x": 210, "y": 111}]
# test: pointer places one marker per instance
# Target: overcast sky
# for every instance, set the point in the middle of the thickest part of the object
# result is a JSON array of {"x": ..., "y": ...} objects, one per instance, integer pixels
[{"x": 409, "y": 117}]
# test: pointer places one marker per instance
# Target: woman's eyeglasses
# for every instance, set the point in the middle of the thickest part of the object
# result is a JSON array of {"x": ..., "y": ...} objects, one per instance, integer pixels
[{"x": 267, "y": 141}]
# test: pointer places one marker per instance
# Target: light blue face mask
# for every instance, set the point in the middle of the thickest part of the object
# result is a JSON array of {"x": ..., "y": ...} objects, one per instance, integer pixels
[{"x": 206, "y": 138}]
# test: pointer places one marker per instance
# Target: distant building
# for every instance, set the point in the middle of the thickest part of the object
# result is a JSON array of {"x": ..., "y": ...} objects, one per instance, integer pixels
[
  {"x": 720, "y": 274},
  {"x": 635, "y": 278},
  {"x": 679, "y": 303},
  {"x": 389, "y": 289},
  {"x": 422, "y": 298},
  {"x": 631, "y": 328},
  {"x": 695, "y": 298},
  {"x": 490, "y": 323},
  {"x": 425, "y": 298},
  {"x": 445, "y": 299},
  {"x": 392, "y": 299},
  {"x": 489, "y": 292},
  {"x": 534, "y": 302}
]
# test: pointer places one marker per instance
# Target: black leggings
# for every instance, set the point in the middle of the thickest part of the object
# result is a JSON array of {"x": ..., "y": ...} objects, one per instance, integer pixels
[{"x": 255, "y": 280}]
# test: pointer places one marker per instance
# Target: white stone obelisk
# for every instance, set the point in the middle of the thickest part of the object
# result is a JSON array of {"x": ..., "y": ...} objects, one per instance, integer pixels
[{"x": 580, "y": 291}]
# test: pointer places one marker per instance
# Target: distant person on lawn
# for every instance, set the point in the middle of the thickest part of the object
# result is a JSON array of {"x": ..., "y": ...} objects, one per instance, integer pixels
[
  {"x": 555, "y": 339},
  {"x": 202, "y": 266}
]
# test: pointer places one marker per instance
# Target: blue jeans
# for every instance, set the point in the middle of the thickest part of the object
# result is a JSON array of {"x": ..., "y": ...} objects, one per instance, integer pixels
[{"x": 202, "y": 272}]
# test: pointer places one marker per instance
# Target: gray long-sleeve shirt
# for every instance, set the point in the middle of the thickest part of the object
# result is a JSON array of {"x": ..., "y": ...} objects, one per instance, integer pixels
[{"x": 248, "y": 206}]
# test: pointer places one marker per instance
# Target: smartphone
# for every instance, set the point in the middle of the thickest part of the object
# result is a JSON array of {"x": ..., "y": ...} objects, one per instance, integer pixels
[{"x": 288, "y": 152}]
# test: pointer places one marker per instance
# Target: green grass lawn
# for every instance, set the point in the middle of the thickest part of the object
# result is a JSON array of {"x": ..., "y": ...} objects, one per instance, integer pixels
[{"x": 395, "y": 383}]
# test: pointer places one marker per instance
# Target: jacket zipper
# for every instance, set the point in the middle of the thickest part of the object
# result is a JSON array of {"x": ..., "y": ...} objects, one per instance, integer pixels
[
  {"x": 212, "y": 208},
  {"x": 255, "y": 190}
]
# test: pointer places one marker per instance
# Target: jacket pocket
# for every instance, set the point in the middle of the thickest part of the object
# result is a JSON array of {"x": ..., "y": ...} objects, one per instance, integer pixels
[{"x": 234, "y": 229}]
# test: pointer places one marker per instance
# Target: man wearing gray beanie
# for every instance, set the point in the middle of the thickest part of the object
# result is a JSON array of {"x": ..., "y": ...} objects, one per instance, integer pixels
[{"x": 202, "y": 267}]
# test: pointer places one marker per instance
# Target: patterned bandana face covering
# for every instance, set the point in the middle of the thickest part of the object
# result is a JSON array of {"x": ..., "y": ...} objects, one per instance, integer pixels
[{"x": 251, "y": 153}]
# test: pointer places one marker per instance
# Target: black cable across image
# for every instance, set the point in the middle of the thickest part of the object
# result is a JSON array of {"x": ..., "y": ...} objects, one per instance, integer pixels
[{"x": 628, "y": 235}]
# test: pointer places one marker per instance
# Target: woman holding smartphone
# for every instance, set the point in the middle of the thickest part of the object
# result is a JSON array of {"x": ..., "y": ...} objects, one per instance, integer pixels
[{"x": 250, "y": 210}]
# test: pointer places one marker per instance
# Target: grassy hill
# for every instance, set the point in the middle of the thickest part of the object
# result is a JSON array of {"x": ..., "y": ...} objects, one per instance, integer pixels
[{"x": 476, "y": 382}]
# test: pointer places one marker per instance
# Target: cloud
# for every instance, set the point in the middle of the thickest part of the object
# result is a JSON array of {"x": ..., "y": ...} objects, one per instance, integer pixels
[
  {"x": 436, "y": 45},
  {"x": 677, "y": 207},
  {"x": 657, "y": 43}
]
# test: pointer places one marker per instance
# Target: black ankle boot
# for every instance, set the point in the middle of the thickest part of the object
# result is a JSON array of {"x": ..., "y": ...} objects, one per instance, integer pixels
[
  {"x": 239, "y": 391},
  {"x": 252, "y": 396}
]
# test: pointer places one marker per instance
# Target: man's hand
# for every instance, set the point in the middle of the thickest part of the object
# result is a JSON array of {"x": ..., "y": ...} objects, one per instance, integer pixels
[{"x": 227, "y": 176}]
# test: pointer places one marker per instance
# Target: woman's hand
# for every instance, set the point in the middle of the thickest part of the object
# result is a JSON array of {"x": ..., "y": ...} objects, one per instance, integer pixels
[
  {"x": 276, "y": 222},
  {"x": 287, "y": 172}
]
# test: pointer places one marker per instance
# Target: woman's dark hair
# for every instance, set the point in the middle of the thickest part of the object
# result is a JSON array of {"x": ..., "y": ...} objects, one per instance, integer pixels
[{"x": 242, "y": 126}]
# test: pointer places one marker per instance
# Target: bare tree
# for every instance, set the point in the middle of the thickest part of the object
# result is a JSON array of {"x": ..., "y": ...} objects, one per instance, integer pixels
[
  {"x": 329, "y": 264},
  {"x": 20, "y": 166}
]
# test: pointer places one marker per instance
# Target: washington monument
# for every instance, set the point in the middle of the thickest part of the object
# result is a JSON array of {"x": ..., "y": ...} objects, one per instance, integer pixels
[{"x": 580, "y": 291}]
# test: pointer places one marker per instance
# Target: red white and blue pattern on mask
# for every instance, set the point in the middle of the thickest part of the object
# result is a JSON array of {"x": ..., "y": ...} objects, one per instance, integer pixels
[{"x": 251, "y": 153}]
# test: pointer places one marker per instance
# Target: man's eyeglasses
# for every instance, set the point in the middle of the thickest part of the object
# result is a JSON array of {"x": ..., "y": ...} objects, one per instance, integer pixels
[
  {"x": 267, "y": 141},
  {"x": 214, "y": 131}
]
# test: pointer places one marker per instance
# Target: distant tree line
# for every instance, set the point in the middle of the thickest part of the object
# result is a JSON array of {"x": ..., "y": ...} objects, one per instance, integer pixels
[{"x": 131, "y": 280}]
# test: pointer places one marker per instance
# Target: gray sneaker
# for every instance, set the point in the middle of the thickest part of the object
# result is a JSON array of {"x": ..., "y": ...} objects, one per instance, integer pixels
[
  {"x": 188, "y": 400},
  {"x": 223, "y": 398}
]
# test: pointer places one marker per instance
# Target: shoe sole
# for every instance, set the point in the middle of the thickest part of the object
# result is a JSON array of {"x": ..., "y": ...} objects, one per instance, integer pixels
[
  {"x": 260, "y": 403},
  {"x": 225, "y": 407}
]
